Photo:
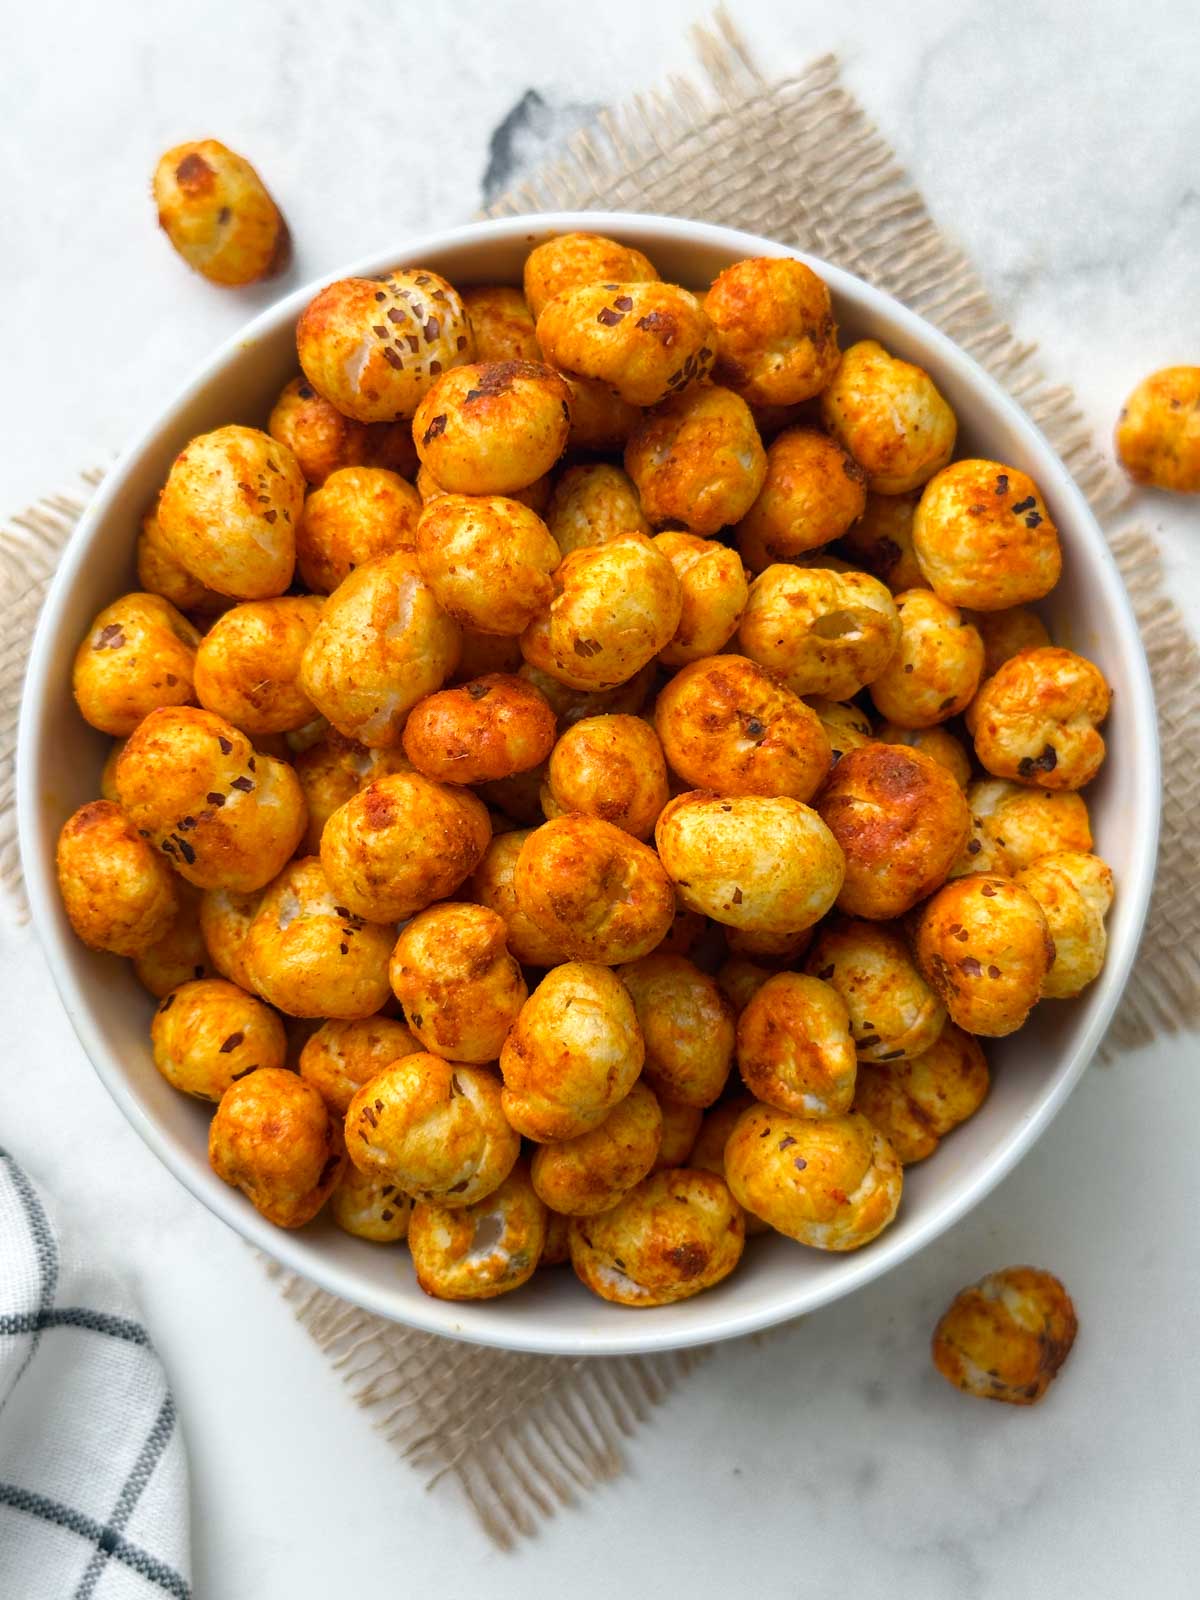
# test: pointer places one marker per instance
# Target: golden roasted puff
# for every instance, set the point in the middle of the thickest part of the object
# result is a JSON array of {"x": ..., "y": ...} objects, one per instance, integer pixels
[
  {"x": 208, "y": 1034},
  {"x": 332, "y": 770},
  {"x": 847, "y": 726},
  {"x": 225, "y": 918},
  {"x": 1012, "y": 824},
  {"x": 572, "y": 705},
  {"x": 367, "y": 1209},
  {"x": 401, "y": 843},
  {"x": 483, "y": 1250},
  {"x": 708, "y": 1152},
  {"x": 739, "y": 980},
  {"x": 729, "y": 725},
  {"x": 670, "y": 1237},
  {"x": 502, "y": 323},
  {"x": 1007, "y": 633},
  {"x": 901, "y": 820},
  {"x": 646, "y": 341},
  {"x": 273, "y": 1139},
  {"x": 936, "y": 668},
  {"x": 1007, "y": 1336},
  {"x": 984, "y": 944},
  {"x": 937, "y": 743},
  {"x": 225, "y": 816},
  {"x": 570, "y": 260},
  {"x": 374, "y": 347},
  {"x": 460, "y": 988},
  {"x": 881, "y": 541},
  {"x": 536, "y": 496},
  {"x": 687, "y": 1025},
  {"x": 697, "y": 460},
  {"x": 488, "y": 560},
  {"x": 214, "y": 208},
  {"x": 611, "y": 767},
  {"x": 894, "y": 1014},
  {"x": 119, "y": 893},
  {"x": 1074, "y": 890},
  {"x": 311, "y": 956},
  {"x": 158, "y": 572},
  {"x": 493, "y": 427},
  {"x": 984, "y": 538},
  {"x": 180, "y": 954},
  {"x": 556, "y": 1251},
  {"x": 713, "y": 589},
  {"x": 915, "y": 1103},
  {"x": 594, "y": 890},
  {"x": 794, "y": 1049},
  {"x": 248, "y": 664},
  {"x": 322, "y": 440},
  {"x": 229, "y": 509},
  {"x": 138, "y": 654},
  {"x": 479, "y": 732},
  {"x": 824, "y": 632},
  {"x": 382, "y": 644},
  {"x": 812, "y": 493},
  {"x": 356, "y": 514},
  {"x": 776, "y": 337},
  {"x": 487, "y": 652},
  {"x": 591, "y": 1172},
  {"x": 491, "y": 885},
  {"x": 434, "y": 1128},
  {"x": 615, "y": 606},
  {"x": 762, "y": 862},
  {"x": 592, "y": 504},
  {"x": 830, "y": 1182},
  {"x": 680, "y": 1127},
  {"x": 891, "y": 418},
  {"x": 1158, "y": 434},
  {"x": 600, "y": 419},
  {"x": 1035, "y": 719},
  {"x": 340, "y": 1056},
  {"x": 574, "y": 1052}
]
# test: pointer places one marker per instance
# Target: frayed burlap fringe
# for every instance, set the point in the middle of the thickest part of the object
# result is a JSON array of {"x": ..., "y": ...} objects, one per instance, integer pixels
[
  {"x": 798, "y": 161},
  {"x": 521, "y": 1435}
]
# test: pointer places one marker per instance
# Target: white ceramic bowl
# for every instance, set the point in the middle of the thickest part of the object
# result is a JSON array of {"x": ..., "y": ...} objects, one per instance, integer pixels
[{"x": 59, "y": 763}]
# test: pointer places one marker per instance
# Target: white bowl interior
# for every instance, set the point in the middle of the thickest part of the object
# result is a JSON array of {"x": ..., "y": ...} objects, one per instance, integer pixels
[{"x": 59, "y": 763}]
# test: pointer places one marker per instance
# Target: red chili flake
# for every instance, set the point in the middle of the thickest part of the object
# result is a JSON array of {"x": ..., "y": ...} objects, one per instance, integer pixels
[
  {"x": 380, "y": 328},
  {"x": 457, "y": 1188},
  {"x": 908, "y": 666},
  {"x": 435, "y": 368},
  {"x": 270, "y": 516},
  {"x": 587, "y": 647},
  {"x": 111, "y": 637},
  {"x": 993, "y": 972},
  {"x": 432, "y": 329},
  {"x": 380, "y": 296},
  {"x": 367, "y": 1114},
  {"x": 609, "y": 317},
  {"x": 799, "y": 1163},
  {"x": 988, "y": 890},
  {"x": 344, "y": 948},
  {"x": 1021, "y": 506},
  {"x": 893, "y": 1055},
  {"x": 1033, "y": 519},
  {"x": 786, "y": 1142},
  {"x": 765, "y": 1134},
  {"x": 971, "y": 967},
  {"x": 271, "y": 467},
  {"x": 737, "y": 897},
  {"x": 868, "y": 1042},
  {"x": 961, "y": 935},
  {"x": 172, "y": 680},
  {"x": 436, "y": 428},
  {"x": 225, "y": 744},
  {"x": 387, "y": 1215},
  {"x": 250, "y": 763},
  {"x": 392, "y": 359},
  {"x": 623, "y": 303},
  {"x": 975, "y": 846},
  {"x": 232, "y": 1043},
  {"x": 215, "y": 799},
  {"x": 246, "y": 785},
  {"x": 477, "y": 691}
]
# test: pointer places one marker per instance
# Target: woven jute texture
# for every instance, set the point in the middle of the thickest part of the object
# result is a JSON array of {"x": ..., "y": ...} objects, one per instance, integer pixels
[{"x": 799, "y": 161}]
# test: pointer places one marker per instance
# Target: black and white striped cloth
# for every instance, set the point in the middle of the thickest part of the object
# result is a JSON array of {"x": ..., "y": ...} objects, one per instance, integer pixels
[{"x": 93, "y": 1477}]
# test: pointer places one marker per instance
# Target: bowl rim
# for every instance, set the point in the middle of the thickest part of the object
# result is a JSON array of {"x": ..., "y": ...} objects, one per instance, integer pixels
[{"x": 637, "y": 1333}]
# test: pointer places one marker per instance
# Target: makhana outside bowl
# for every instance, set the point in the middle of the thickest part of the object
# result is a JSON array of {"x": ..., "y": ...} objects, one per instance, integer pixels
[{"x": 59, "y": 761}]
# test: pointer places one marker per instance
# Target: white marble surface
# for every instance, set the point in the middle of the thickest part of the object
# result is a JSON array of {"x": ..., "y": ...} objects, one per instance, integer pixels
[{"x": 1058, "y": 140}]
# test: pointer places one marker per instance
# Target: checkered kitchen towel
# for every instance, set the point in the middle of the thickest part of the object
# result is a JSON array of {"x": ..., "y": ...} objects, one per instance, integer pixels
[{"x": 93, "y": 1479}]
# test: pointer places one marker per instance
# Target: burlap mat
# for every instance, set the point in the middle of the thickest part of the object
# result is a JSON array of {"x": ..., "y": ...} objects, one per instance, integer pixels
[{"x": 799, "y": 161}]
